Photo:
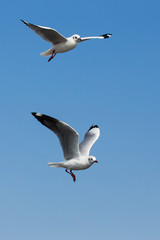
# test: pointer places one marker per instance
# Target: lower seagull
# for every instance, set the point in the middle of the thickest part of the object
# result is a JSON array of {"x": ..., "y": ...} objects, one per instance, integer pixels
[{"x": 76, "y": 155}]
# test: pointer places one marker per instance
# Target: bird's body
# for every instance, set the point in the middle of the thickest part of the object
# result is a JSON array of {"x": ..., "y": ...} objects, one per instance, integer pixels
[
  {"x": 61, "y": 47},
  {"x": 59, "y": 42},
  {"x": 65, "y": 47},
  {"x": 81, "y": 163},
  {"x": 76, "y": 155}
]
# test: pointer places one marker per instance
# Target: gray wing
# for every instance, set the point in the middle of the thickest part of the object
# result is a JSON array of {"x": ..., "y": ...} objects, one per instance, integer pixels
[
  {"x": 107, "y": 35},
  {"x": 89, "y": 139},
  {"x": 48, "y": 34},
  {"x": 68, "y": 137}
]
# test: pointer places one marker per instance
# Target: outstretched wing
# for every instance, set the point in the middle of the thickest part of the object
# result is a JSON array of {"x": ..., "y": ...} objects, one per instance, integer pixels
[
  {"x": 48, "y": 34},
  {"x": 68, "y": 137},
  {"x": 107, "y": 35},
  {"x": 89, "y": 139}
]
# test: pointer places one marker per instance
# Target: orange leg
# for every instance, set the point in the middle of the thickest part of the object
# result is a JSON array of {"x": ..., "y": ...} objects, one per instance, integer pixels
[
  {"x": 71, "y": 173},
  {"x": 52, "y": 56}
]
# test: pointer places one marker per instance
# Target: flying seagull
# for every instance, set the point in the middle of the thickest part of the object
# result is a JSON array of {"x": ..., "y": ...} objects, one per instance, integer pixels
[
  {"x": 76, "y": 155},
  {"x": 60, "y": 43}
]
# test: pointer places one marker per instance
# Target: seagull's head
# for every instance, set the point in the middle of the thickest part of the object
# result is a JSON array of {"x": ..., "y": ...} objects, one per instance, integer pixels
[
  {"x": 76, "y": 38},
  {"x": 92, "y": 160}
]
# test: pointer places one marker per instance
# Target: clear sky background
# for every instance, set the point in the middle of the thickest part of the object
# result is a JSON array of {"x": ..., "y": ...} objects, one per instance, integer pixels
[{"x": 114, "y": 83}]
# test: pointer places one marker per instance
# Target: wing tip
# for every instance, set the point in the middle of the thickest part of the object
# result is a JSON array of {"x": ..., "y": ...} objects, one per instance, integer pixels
[
  {"x": 93, "y": 126},
  {"x": 33, "y": 113},
  {"x": 37, "y": 115},
  {"x": 24, "y": 22},
  {"x": 107, "y": 35}
]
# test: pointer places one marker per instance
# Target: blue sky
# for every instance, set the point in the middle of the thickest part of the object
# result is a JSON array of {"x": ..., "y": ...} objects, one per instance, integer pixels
[{"x": 114, "y": 83}]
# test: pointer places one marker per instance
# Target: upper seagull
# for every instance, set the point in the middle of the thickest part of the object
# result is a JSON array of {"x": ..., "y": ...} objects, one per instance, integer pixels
[
  {"x": 76, "y": 155},
  {"x": 59, "y": 42}
]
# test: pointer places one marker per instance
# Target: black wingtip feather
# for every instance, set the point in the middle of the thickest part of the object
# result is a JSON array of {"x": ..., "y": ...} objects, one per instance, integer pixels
[
  {"x": 33, "y": 113},
  {"x": 24, "y": 22},
  {"x": 93, "y": 126},
  {"x": 39, "y": 117},
  {"x": 107, "y": 35}
]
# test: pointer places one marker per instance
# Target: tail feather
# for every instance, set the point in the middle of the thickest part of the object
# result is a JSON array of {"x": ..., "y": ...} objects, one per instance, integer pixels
[
  {"x": 55, "y": 165},
  {"x": 47, "y": 53}
]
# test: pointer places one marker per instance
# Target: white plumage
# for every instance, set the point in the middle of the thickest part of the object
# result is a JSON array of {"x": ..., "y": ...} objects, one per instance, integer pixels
[
  {"x": 76, "y": 155},
  {"x": 60, "y": 43}
]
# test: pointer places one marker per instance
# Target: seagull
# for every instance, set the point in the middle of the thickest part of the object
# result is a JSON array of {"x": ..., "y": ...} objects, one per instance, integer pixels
[
  {"x": 60, "y": 43},
  {"x": 76, "y": 155}
]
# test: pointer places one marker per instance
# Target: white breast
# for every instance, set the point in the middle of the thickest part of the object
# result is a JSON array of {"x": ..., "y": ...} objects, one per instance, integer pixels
[
  {"x": 65, "y": 46},
  {"x": 77, "y": 164}
]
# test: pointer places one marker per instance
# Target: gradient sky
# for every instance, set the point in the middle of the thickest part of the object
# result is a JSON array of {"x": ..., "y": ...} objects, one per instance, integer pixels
[{"x": 114, "y": 83}]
